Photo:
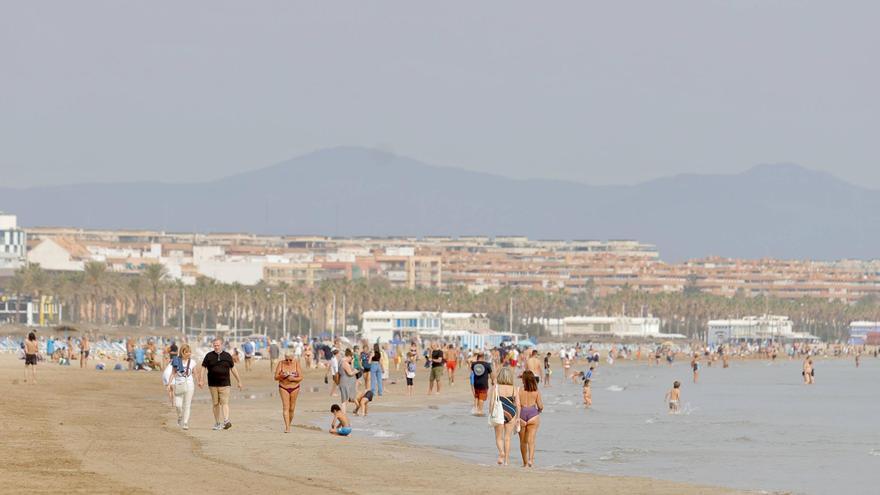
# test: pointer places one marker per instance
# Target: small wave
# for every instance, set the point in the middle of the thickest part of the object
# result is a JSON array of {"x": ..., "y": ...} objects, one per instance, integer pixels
[
  {"x": 874, "y": 452},
  {"x": 618, "y": 454},
  {"x": 382, "y": 433},
  {"x": 650, "y": 421},
  {"x": 615, "y": 388}
]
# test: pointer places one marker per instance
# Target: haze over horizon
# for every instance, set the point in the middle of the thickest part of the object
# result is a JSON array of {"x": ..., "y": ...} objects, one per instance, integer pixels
[{"x": 589, "y": 92}]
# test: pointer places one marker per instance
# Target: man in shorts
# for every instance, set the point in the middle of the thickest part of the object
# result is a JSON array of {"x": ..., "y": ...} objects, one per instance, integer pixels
[
  {"x": 218, "y": 365},
  {"x": 436, "y": 368},
  {"x": 482, "y": 376},
  {"x": 451, "y": 356},
  {"x": 249, "y": 349}
]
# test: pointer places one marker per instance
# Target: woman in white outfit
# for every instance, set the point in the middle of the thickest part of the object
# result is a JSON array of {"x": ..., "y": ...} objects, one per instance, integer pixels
[{"x": 182, "y": 384}]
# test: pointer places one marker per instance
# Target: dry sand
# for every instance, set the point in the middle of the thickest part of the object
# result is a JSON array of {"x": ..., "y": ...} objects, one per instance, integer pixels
[{"x": 87, "y": 431}]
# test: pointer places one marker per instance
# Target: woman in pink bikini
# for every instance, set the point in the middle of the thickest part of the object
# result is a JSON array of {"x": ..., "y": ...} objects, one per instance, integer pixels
[{"x": 289, "y": 375}]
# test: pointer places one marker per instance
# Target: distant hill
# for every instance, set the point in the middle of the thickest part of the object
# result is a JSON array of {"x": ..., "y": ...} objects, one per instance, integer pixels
[{"x": 782, "y": 211}]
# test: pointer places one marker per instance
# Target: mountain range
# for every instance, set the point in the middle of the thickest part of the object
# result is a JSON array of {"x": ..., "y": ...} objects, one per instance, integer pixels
[{"x": 781, "y": 211}]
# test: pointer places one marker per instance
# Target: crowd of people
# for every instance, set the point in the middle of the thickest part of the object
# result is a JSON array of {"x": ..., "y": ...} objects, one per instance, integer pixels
[{"x": 505, "y": 381}]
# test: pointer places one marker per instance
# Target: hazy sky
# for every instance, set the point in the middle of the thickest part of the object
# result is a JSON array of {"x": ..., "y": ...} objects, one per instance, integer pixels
[{"x": 593, "y": 91}]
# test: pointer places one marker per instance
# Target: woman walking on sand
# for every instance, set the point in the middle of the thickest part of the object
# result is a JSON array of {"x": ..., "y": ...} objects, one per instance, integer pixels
[
  {"x": 182, "y": 384},
  {"x": 288, "y": 375},
  {"x": 508, "y": 397},
  {"x": 531, "y": 407}
]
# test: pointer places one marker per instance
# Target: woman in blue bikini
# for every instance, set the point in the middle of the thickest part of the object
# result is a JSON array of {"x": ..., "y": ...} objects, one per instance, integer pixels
[
  {"x": 530, "y": 407},
  {"x": 509, "y": 398}
]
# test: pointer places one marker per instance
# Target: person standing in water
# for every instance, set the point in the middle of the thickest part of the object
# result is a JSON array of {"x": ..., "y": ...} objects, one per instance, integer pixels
[
  {"x": 31, "y": 348},
  {"x": 695, "y": 366},
  {"x": 673, "y": 398},
  {"x": 289, "y": 377},
  {"x": 531, "y": 407},
  {"x": 547, "y": 370}
]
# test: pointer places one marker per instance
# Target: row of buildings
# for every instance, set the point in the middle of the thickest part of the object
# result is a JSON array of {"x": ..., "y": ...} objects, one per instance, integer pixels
[{"x": 476, "y": 263}]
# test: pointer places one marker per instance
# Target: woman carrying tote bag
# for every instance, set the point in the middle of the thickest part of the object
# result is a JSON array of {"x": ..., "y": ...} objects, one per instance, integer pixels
[{"x": 504, "y": 412}]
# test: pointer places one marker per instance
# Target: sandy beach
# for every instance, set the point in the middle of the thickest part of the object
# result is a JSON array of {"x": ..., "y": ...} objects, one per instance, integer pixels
[{"x": 88, "y": 431}]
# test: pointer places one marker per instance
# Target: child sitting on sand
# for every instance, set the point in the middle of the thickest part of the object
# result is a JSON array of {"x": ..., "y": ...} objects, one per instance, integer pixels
[
  {"x": 339, "y": 425},
  {"x": 673, "y": 397},
  {"x": 588, "y": 393},
  {"x": 363, "y": 399}
]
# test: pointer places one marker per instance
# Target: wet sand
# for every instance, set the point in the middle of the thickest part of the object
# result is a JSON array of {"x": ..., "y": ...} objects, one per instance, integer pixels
[{"x": 88, "y": 431}]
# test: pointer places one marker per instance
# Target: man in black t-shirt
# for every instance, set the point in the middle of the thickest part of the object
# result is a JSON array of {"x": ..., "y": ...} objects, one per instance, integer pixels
[
  {"x": 436, "y": 367},
  {"x": 482, "y": 376},
  {"x": 218, "y": 365}
]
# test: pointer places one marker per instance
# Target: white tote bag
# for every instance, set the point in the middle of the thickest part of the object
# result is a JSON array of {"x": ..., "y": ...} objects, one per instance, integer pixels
[{"x": 496, "y": 414}]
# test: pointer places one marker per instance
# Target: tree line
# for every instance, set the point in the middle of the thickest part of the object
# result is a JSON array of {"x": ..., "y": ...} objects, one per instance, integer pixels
[{"x": 152, "y": 299}]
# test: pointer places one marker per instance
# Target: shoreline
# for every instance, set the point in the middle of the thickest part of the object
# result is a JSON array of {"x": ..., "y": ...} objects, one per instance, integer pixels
[{"x": 117, "y": 426}]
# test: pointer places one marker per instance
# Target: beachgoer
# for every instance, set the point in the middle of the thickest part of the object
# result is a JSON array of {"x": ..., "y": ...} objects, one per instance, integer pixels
[
  {"x": 588, "y": 393},
  {"x": 333, "y": 372},
  {"x": 84, "y": 349},
  {"x": 182, "y": 385},
  {"x": 695, "y": 366},
  {"x": 289, "y": 377},
  {"x": 547, "y": 370},
  {"x": 436, "y": 368},
  {"x": 450, "y": 355},
  {"x": 482, "y": 372},
  {"x": 274, "y": 355},
  {"x": 533, "y": 364},
  {"x": 365, "y": 362},
  {"x": 673, "y": 398},
  {"x": 363, "y": 400},
  {"x": 347, "y": 379},
  {"x": 531, "y": 407},
  {"x": 339, "y": 426},
  {"x": 410, "y": 373},
  {"x": 508, "y": 397},
  {"x": 377, "y": 370},
  {"x": 50, "y": 348},
  {"x": 218, "y": 365},
  {"x": 248, "y": 348},
  {"x": 31, "y": 349}
]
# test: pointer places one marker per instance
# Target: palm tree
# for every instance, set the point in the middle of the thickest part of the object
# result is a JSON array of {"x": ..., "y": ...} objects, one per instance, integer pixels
[
  {"x": 95, "y": 278},
  {"x": 154, "y": 274}
]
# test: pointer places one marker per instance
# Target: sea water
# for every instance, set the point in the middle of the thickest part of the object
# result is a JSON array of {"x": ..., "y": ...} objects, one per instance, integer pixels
[{"x": 753, "y": 426}]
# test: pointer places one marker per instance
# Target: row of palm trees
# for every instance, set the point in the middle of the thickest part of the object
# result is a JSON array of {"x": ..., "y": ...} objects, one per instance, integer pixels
[{"x": 151, "y": 299}]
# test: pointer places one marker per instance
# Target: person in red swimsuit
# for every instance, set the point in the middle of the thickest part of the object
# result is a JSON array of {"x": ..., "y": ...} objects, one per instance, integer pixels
[
  {"x": 289, "y": 376},
  {"x": 450, "y": 357}
]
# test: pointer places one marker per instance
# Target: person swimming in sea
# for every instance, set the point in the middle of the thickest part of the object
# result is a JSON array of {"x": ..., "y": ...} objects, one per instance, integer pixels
[{"x": 673, "y": 398}]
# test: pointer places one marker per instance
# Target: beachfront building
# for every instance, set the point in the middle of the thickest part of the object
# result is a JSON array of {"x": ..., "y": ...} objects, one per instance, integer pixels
[
  {"x": 30, "y": 311},
  {"x": 13, "y": 244},
  {"x": 864, "y": 332},
  {"x": 611, "y": 326},
  {"x": 385, "y": 326},
  {"x": 755, "y": 329}
]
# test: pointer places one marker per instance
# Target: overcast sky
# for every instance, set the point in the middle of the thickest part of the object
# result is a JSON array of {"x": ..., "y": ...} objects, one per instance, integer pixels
[{"x": 593, "y": 91}]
